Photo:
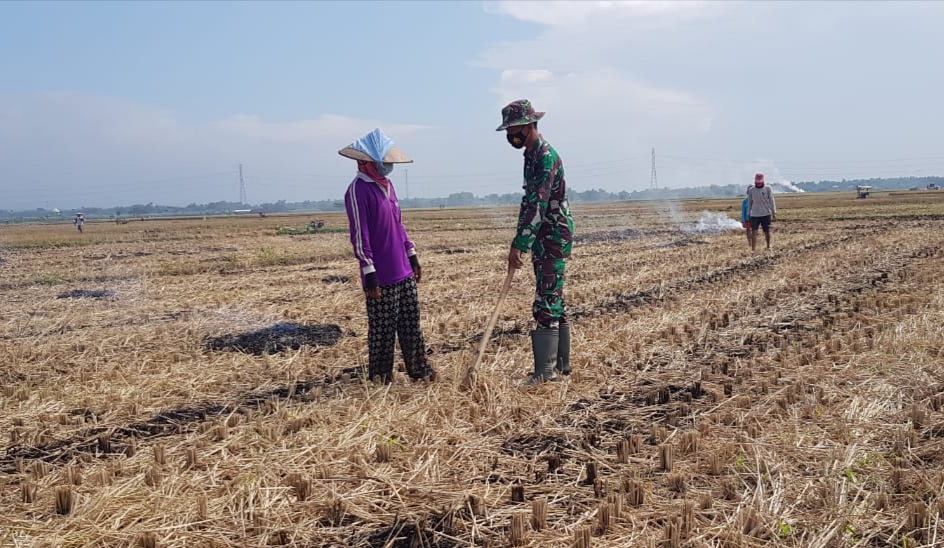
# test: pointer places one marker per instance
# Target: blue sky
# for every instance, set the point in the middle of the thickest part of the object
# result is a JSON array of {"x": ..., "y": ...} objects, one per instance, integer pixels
[
  {"x": 207, "y": 60},
  {"x": 112, "y": 103}
]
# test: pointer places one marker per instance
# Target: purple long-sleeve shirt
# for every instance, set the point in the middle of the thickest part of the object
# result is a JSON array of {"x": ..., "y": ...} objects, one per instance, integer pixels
[{"x": 381, "y": 244}]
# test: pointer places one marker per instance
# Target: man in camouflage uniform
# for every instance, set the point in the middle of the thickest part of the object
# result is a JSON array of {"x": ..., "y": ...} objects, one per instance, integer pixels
[{"x": 545, "y": 228}]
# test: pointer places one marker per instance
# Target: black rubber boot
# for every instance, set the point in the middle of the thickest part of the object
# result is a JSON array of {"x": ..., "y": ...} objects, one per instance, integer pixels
[{"x": 563, "y": 349}]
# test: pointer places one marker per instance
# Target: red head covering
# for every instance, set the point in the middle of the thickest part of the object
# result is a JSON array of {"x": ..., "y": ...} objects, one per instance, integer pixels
[
  {"x": 759, "y": 180},
  {"x": 370, "y": 169}
]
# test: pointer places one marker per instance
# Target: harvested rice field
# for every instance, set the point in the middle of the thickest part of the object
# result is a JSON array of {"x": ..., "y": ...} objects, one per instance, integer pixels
[{"x": 195, "y": 383}]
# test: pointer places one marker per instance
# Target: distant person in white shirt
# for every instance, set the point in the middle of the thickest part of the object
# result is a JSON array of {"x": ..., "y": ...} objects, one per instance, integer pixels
[
  {"x": 79, "y": 221},
  {"x": 762, "y": 207}
]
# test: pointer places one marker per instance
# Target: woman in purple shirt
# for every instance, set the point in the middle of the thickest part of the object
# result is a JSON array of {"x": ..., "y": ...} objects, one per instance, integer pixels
[{"x": 389, "y": 266}]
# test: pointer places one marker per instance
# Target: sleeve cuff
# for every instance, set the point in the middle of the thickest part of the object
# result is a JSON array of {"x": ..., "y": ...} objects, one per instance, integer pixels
[
  {"x": 369, "y": 269},
  {"x": 520, "y": 246},
  {"x": 411, "y": 252},
  {"x": 370, "y": 281}
]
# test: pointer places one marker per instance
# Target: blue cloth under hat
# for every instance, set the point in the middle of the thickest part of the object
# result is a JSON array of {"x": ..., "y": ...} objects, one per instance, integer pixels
[{"x": 375, "y": 144}]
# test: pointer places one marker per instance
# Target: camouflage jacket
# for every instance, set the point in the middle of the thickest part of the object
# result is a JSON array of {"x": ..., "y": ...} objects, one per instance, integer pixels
[{"x": 544, "y": 222}]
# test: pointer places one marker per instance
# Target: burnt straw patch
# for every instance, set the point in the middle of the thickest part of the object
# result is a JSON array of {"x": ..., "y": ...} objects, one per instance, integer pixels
[
  {"x": 277, "y": 338},
  {"x": 86, "y": 294},
  {"x": 110, "y": 441},
  {"x": 683, "y": 242},
  {"x": 106, "y": 441},
  {"x": 336, "y": 279},
  {"x": 519, "y": 328},
  {"x": 533, "y": 445},
  {"x": 457, "y": 251},
  {"x": 434, "y": 532},
  {"x": 611, "y": 236}
]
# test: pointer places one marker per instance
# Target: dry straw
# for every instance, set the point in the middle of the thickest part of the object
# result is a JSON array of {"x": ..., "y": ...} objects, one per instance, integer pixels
[{"x": 718, "y": 398}]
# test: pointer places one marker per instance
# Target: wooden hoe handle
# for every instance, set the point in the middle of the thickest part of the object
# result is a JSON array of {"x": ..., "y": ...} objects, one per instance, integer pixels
[{"x": 491, "y": 324}]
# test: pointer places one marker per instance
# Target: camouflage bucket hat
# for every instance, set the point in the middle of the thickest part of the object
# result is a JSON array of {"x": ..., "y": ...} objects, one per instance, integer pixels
[{"x": 519, "y": 113}]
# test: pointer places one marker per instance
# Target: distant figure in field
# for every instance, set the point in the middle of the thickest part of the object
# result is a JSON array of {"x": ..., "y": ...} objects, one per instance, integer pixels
[
  {"x": 390, "y": 268},
  {"x": 762, "y": 207},
  {"x": 746, "y": 221},
  {"x": 79, "y": 221}
]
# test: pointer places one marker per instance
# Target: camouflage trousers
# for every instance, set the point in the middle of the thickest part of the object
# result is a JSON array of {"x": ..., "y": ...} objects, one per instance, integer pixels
[{"x": 548, "y": 308}]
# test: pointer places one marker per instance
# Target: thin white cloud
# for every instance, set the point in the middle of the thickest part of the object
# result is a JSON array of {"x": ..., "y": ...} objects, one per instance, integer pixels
[
  {"x": 329, "y": 127},
  {"x": 581, "y": 35},
  {"x": 52, "y": 115},
  {"x": 567, "y": 13},
  {"x": 89, "y": 149},
  {"x": 116, "y": 121},
  {"x": 599, "y": 83},
  {"x": 578, "y": 76},
  {"x": 585, "y": 69},
  {"x": 604, "y": 122},
  {"x": 608, "y": 98}
]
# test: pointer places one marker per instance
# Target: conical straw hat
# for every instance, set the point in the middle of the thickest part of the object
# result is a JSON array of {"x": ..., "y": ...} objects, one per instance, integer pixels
[{"x": 393, "y": 156}]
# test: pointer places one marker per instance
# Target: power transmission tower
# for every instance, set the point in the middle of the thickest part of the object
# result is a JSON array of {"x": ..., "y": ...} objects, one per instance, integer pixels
[
  {"x": 653, "y": 182},
  {"x": 242, "y": 187}
]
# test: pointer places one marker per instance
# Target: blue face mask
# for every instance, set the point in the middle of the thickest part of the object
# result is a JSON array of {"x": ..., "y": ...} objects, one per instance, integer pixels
[{"x": 385, "y": 168}]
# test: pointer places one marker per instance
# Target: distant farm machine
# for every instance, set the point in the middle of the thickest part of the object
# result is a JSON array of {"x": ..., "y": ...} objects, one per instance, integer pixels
[{"x": 311, "y": 228}]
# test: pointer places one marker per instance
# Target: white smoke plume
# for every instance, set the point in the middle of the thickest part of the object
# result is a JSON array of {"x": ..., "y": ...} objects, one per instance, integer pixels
[
  {"x": 712, "y": 223},
  {"x": 671, "y": 209},
  {"x": 788, "y": 185}
]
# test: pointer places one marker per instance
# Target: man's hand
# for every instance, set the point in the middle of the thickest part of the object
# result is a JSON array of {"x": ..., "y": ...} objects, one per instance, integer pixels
[
  {"x": 373, "y": 293},
  {"x": 515, "y": 259}
]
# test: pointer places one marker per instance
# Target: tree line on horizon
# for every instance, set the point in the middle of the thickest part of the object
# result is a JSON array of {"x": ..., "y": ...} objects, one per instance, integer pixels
[{"x": 458, "y": 199}]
